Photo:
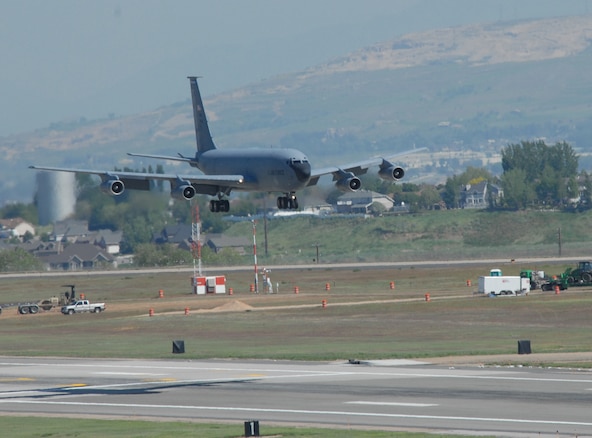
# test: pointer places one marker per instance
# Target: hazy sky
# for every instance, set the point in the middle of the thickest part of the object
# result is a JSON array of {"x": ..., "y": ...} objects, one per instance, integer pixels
[{"x": 65, "y": 59}]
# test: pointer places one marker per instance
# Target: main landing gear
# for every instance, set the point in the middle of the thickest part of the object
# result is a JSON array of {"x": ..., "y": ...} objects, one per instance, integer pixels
[
  {"x": 288, "y": 202},
  {"x": 219, "y": 206}
]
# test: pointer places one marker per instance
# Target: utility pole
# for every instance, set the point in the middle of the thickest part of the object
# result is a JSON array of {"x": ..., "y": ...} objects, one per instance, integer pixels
[{"x": 317, "y": 246}]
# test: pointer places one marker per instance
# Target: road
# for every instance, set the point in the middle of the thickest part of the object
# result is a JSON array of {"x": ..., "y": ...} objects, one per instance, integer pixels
[
  {"x": 390, "y": 395},
  {"x": 324, "y": 266}
]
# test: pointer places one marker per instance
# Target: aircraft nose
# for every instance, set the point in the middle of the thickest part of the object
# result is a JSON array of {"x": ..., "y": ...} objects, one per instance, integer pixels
[{"x": 302, "y": 170}]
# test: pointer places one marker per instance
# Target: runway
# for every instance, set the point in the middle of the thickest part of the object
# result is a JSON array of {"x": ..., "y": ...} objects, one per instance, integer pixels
[{"x": 389, "y": 395}]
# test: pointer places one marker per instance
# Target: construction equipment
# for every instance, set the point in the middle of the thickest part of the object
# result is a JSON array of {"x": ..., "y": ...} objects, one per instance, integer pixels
[
  {"x": 69, "y": 297},
  {"x": 33, "y": 307},
  {"x": 580, "y": 276},
  {"x": 536, "y": 278},
  {"x": 557, "y": 281}
]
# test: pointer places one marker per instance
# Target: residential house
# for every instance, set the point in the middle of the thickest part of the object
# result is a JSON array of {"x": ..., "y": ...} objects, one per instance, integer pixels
[
  {"x": 174, "y": 234},
  {"x": 34, "y": 246},
  {"x": 75, "y": 257},
  {"x": 218, "y": 242},
  {"x": 109, "y": 240},
  {"x": 480, "y": 195},
  {"x": 15, "y": 227},
  {"x": 70, "y": 230},
  {"x": 360, "y": 202}
]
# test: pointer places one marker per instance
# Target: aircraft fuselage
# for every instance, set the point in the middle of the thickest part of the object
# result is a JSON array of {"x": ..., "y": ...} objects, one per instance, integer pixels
[{"x": 267, "y": 170}]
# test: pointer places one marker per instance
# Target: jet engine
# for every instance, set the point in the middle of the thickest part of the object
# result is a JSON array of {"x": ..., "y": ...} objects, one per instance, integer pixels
[
  {"x": 390, "y": 172},
  {"x": 183, "y": 192},
  {"x": 349, "y": 183},
  {"x": 113, "y": 187}
]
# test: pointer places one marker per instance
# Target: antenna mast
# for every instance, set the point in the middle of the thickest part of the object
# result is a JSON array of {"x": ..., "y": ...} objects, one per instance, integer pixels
[{"x": 196, "y": 242}]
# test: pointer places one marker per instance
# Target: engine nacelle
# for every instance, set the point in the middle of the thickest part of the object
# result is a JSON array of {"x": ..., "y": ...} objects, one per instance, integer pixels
[
  {"x": 349, "y": 184},
  {"x": 113, "y": 187},
  {"x": 391, "y": 173},
  {"x": 183, "y": 192}
]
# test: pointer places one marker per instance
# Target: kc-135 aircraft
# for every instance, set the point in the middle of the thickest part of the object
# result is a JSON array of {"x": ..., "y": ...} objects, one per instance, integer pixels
[{"x": 250, "y": 170}]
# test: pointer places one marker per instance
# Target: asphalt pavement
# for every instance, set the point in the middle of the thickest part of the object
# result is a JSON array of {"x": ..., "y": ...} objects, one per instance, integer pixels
[{"x": 388, "y": 395}]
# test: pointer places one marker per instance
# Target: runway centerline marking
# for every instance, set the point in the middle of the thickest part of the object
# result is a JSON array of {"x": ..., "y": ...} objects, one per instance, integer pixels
[
  {"x": 286, "y": 372},
  {"x": 299, "y": 412},
  {"x": 123, "y": 373},
  {"x": 375, "y": 403}
]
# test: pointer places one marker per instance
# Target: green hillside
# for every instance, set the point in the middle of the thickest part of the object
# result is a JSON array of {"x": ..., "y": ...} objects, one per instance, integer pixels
[{"x": 435, "y": 235}]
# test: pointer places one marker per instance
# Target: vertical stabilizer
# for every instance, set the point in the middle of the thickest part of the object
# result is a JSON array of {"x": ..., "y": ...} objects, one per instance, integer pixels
[{"x": 202, "y": 132}]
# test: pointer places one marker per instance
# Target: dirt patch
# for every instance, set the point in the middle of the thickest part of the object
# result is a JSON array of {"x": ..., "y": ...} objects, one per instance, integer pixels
[{"x": 232, "y": 306}]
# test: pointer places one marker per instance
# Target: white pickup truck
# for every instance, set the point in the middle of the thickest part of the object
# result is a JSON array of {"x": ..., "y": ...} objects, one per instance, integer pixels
[{"x": 83, "y": 306}]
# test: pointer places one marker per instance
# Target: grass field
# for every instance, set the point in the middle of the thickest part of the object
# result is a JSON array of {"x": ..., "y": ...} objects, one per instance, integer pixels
[
  {"x": 364, "y": 318},
  {"x": 27, "y": 427}
]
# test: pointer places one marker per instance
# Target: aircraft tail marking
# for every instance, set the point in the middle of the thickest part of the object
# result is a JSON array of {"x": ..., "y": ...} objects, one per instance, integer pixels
[{"x": 202, "y": 131}]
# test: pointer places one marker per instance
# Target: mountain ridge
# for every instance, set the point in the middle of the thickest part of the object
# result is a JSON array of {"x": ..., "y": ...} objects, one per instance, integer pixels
[
  {"x": 475, "y": 45},
  {"x": 391, "y": 95}
]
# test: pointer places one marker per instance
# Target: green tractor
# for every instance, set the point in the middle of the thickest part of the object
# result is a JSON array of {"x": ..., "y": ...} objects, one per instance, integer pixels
[{"x": 580, "y": 275}]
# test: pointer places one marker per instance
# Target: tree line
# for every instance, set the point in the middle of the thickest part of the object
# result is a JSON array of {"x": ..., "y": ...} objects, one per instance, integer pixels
[{"x": 535, "y": 175}]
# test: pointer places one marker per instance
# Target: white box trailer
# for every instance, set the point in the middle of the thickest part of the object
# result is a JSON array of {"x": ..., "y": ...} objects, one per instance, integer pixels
[{"x": 504, "y": 285}]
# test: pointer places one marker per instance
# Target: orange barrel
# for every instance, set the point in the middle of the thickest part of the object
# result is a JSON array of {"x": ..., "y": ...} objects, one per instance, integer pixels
[
  {"x": 151, "y": 312},
  {"x": 557, "y": 289},
  {"x": 468, "y": 283},
  {"x": 160, "y": 293},
  {"x": 392, "y": 285},
  {"x": 251, "y": 287},
  {"x": 324, "y": 303},
  {"x": 230, "y": 291},
  {"x": 327, "y": 286},
  {"x": 427, "y": 297},
  {"x": 296, "y": 289},
  {"x": 186, "y": 310}
]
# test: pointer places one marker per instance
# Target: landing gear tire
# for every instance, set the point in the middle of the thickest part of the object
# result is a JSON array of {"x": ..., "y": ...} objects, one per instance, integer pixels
[
  {"x": 287, "y": 203},
  {"x": 219, "y": 206}
]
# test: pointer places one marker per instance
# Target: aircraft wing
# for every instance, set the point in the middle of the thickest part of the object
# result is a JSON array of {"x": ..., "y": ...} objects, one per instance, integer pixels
[
  {"x": 163, "y": 157},
  {"x": 358, "y": 167},
  {"x": 206, "y": 184}
]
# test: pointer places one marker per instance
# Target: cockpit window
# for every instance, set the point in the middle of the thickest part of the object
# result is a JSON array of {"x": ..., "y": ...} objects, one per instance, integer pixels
[{"x": 298, "y": 161}]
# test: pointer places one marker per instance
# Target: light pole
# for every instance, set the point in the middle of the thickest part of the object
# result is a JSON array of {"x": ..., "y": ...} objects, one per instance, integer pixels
[{"x": 254, "y": 222}]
